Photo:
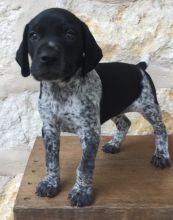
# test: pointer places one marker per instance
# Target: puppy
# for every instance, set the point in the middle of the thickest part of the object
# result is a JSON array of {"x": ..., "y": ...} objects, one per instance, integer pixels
[{"x": 78, "y": 94}]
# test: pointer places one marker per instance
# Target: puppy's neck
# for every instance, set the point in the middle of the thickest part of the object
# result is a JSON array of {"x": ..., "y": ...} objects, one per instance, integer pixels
[{"x": 71, "y": 84}]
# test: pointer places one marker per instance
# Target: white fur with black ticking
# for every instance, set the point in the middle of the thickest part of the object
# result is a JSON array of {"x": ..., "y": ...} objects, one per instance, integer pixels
[
  {"x": 78, "y": 94},
  {"x": 71, "y": 107}
]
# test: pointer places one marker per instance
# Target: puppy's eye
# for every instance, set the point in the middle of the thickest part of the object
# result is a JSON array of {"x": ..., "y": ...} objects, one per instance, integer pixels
[
  {"x": 33, "y": 36},
  {"x": 70, "y": 35}
]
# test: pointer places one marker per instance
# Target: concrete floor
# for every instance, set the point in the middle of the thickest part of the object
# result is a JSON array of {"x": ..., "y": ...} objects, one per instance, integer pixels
[
  {"x": 3, "y": 181},
  {"x": 12, "y": 162}
]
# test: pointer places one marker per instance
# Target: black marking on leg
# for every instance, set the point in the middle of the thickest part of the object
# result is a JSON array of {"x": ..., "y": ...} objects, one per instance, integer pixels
[
  {"x": 80, "y": 197},
  {"x": 46, "y": 189},
  {"x": 109, "y": 148},
  {"x": 160, "y": 161},
  {"x": 123, "y": 125},
  {"x": 81, "y": 194}
]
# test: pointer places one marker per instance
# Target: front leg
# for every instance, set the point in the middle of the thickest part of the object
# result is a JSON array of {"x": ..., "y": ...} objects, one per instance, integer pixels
[
  {"x": 49, "y": 186},
  {"x": 82, "y": 192}
]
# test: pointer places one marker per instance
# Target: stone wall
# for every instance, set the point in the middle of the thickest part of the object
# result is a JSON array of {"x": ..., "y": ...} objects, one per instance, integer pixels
[{"x": 126, "y": 30}]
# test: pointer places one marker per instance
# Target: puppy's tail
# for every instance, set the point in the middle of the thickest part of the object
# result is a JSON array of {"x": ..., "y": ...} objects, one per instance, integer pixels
[{"x": 143, "y": 64}]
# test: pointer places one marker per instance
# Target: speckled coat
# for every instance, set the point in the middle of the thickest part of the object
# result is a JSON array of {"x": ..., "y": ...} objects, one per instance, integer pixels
[
  {"x": 78, "y": 94},
  {"x": 72, "y": 107},
  {"x": 75, "y": 107}
]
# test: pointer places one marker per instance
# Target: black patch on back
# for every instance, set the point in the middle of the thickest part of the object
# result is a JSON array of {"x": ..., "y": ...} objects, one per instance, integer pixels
[{"x": 121, "y": 85}]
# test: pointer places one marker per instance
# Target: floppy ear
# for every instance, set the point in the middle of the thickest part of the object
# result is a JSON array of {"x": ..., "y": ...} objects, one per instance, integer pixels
[
  {"x": 92, "y": 53},
  {"x": 22, "y": 54}
]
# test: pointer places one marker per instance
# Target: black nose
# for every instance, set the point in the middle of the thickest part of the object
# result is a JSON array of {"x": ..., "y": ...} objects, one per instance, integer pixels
[{"x": 47, "y": 57}]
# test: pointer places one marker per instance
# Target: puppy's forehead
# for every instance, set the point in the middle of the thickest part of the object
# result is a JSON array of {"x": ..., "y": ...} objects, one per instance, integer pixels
[{"x": 55, "y": 17}]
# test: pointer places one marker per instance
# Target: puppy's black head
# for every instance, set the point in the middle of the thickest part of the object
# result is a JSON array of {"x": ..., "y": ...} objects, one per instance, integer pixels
[{"x": 58, "y": 44}]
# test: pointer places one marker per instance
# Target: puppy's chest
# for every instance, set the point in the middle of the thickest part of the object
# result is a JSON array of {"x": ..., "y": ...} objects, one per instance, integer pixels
[
  {"x": 61, "y": 105},
  {"x": 73, "y": 105},
  {"x": 68, "y": 110}
]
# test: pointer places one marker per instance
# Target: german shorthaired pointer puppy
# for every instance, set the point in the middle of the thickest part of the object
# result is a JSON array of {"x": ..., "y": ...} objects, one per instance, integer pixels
[{"x": 78, "y": 94}]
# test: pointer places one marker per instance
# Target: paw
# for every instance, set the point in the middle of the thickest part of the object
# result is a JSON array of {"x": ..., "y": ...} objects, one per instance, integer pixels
[
  {"x": 160, "y": 161},
  {"x": 47, "y": 189},
  {"x": 80, "y": 197},
  {"x": 110, "y": 148}
]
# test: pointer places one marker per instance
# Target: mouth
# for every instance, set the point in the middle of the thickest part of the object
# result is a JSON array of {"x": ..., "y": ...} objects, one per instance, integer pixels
[
  {"x": 39, "y": 76},
  {"x": 53, "y": 73},
  {"x": 50, "y": 76}
]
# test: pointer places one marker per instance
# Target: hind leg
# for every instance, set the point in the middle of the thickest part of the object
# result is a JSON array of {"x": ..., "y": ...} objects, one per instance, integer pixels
[
  {"x": 161, "y": 156},
  {"x": 123, "y": 124}
]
